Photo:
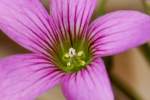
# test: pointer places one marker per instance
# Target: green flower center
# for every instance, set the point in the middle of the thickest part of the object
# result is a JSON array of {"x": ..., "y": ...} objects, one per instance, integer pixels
[
  {"x": 73, "y": 57},
  {"x": 74, "y": 60}
]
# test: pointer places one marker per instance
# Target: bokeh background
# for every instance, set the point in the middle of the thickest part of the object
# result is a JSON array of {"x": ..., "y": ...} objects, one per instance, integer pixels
[{"x": 130, "y": 67}]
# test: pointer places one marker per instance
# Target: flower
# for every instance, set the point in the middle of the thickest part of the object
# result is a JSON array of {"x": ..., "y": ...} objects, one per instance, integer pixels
[{"x": 66, "y": 47}]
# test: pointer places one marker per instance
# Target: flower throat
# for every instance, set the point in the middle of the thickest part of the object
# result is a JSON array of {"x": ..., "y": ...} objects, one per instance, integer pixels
[{"x": 73, "y": 58}]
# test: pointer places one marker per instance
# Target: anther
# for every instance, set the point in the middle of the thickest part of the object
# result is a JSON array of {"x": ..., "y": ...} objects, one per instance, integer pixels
[
  {"x": 82, "y": 62},
  {"x": 80, "y": 53},
  {"x": 68, "y": 64},
  {"x": 72, "y": 52},
  {"x": 66, "y": 55}
]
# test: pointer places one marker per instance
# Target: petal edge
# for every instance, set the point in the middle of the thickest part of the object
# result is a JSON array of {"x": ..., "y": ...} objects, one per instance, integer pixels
[
  {"x": 88, "y": 84},
  {"x": 118, "y": 31},
  {"x": 24, "y": 77}
]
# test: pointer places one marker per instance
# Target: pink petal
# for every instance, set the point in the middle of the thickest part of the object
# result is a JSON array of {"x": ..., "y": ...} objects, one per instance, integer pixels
[
  {"x": 118, "y": 31},
  {"x": 26, "y": 22},
  {"x": 23, "y": 77},
  {"x": 72, "y": 16},
  {"x": 88, "y": 84}
]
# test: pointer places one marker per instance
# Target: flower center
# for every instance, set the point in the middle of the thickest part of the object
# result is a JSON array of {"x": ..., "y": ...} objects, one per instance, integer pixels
[{"x": 72, "y": 58}]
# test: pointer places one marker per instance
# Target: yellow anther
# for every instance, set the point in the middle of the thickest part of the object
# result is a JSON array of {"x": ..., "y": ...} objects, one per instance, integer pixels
[
  {"x": 82, "y": 62},
  {"x": 66, "y": 55},
  {"x": 68, "y": 64},
  {"x": 80, "y": 53}
]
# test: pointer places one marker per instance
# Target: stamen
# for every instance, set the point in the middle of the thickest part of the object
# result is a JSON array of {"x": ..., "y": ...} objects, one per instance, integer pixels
[
  {"x": 74, "y": 60},
  {"x": 72, "y": 52},
  {"x": 80, "y": 53},
  {"x": 66, "y": 55},
  {"x": 82, "y": 63},
  {"x": 68, "y": 64},
  {"x": 72, "y": 57}
]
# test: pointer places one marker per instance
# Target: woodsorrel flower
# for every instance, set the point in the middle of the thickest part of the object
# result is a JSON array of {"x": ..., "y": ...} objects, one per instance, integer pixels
[{"x": 66, "y": 47}]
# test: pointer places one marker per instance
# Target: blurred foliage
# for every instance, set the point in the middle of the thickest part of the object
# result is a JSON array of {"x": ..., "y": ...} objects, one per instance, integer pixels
[
  {"x": 145, "y": 49},
  {"x": 146, "y": 5},
  {"x": 124, "y": 88},
  {"x": 109, "y": 63},
  {"x": 102, "y": 7}
]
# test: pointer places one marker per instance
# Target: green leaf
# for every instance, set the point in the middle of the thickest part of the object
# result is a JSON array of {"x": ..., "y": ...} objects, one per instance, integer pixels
[
  {"x": 145, "y": 50},
  {"x": 100, "y": 10},
  {"x": 146, "y": 5},
  {"x": 109, "y": 63}
]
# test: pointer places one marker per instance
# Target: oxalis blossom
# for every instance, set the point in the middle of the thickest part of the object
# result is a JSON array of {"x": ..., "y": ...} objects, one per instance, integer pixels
[{"x": 66, "y": 47}]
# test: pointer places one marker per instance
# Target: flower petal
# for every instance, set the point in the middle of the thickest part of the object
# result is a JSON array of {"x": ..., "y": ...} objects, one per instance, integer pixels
[
  {"x": 88, "y": 84},
  {"x": 26, "y": 22},
  {"x": 72, "y": 16},
  {"x": 118, "y": 31},
  {"x": 23, "y": 77}
]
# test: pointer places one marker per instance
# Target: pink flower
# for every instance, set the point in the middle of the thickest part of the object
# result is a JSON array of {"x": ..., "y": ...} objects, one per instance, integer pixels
[{"x": 66, "y": 47}]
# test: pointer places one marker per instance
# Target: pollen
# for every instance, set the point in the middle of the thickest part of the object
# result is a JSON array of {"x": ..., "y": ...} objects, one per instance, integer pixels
[
  {"x": 72, "y": 52},
  {"x": 74, "y": 59},
  {"x": 66, "y": 55},
  {"x": 80, "y": 53},
  {"x": 82, "y": 63},
  {"x": 68, "y": 64}
]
